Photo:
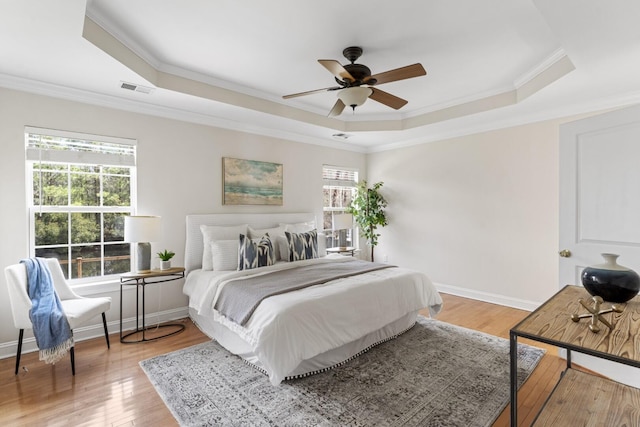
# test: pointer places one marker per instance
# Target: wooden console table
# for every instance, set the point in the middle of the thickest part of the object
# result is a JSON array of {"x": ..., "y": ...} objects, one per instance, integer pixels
[
  {"x": 140, "y": 281},
  {"x": 581, "y": 398}
]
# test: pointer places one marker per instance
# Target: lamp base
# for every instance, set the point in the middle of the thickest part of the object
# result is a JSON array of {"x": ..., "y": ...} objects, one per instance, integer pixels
[
  {"x": 143, "y": 257},
  {"x": 342, "y": 238}
]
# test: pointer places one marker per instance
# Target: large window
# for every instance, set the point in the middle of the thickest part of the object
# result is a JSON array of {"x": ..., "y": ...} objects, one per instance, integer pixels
[
  {"x": 81, "y": 187},
  {"x": 339, "y": 187}
]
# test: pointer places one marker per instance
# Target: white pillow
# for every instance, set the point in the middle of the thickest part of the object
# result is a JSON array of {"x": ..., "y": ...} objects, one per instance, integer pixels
[
  {"x": 274, "y": 233},
  {"x": 211, "y": 233},
  {"x": 322, "y": 244},
  {"x": 299, "y": 227},
  {"x": 283, "y": 247},
  {"x": 224, "y": 254}
]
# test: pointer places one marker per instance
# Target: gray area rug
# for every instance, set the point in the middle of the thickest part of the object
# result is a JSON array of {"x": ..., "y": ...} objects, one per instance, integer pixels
[{"x": 435, "y": 374}]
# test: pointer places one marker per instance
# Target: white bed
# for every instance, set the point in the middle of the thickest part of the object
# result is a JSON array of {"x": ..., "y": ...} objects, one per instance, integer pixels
[{"x": 312, "y": 329}]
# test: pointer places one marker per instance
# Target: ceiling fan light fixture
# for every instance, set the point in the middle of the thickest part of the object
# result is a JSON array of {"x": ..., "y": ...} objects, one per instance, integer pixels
[
  {"x": 355, "y": 82},
  {"x": 354, "y": 96}
]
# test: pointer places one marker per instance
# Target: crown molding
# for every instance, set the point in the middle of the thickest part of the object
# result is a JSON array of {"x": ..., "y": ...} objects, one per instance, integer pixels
[
  {"x": 133, "y": 106},
  {"x": 594, "y": 106},
  {"x": 93, "y": 13},
  {"x": 548, "y": 62},
  {"x": 196, "y": 84},
  {"x": 107, "y": 101}
]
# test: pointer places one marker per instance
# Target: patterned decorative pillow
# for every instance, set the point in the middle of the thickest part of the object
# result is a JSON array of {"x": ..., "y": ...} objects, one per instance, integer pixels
[
  {"x": 255, "y": 253},
  {"x": 274, "y": 233},
  {"x": 302, "y": 245}
]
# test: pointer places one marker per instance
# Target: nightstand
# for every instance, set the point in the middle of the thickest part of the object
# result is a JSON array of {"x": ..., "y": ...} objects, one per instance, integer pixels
[
  {"x": 141, "y": 280},
  {"x": 342, "y": 250}
]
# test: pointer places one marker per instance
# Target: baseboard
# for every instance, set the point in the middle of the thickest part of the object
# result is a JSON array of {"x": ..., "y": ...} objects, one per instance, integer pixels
[
  {"x": 488, "y": 297},
  {"x": 8, "y": 349}
]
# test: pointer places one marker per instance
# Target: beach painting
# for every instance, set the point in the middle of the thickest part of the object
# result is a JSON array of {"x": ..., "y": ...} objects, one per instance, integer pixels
[{"x": 251, "y": 182}]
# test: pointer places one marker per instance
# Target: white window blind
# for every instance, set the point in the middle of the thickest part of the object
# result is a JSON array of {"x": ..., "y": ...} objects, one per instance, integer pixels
[
  {"x": 46, "y": 145},
  {"x": 339, "y": 177}
]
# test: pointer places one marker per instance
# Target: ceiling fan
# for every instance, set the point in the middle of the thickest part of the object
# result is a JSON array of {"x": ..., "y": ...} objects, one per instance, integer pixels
[{"x": 356, "y": 83}]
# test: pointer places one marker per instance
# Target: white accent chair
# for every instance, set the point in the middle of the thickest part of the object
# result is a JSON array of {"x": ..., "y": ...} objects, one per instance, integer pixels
[{"x": 77, "y": 309}]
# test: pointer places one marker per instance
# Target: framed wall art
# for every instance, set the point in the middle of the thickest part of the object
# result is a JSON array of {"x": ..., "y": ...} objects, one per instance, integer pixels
[{"x": 251, "y": 182}]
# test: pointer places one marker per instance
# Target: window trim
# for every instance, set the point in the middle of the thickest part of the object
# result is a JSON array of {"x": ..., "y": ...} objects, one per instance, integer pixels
[
  {"x": 33, "y": 156},
  {"x": 353, "y": 184}
]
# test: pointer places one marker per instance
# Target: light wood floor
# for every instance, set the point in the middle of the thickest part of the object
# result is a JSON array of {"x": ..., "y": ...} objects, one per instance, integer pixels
[{"x": 110, "y": 388}]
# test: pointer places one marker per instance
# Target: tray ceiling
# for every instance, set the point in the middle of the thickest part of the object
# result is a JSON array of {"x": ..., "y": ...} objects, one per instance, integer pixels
[{"x": 228, "y": 63}]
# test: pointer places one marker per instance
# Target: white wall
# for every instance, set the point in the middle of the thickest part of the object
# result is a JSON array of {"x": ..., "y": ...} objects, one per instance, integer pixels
[
  {"x": 179, "y": 173},
  {"x": 478, "y": 214}
]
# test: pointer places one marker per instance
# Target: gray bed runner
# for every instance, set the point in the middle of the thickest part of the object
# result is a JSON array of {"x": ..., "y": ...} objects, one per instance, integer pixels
[{"x": 239, "y": 298}]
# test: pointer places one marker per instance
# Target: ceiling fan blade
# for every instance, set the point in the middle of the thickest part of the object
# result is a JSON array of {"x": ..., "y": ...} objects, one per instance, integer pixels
[
  {"x": 402, "y": 73},
  {"x": 326, "y": 89},
  {"x": 336, "y": 69},
  {"x": 337, "y": 108},
  {"x": 387, "y": 99}
]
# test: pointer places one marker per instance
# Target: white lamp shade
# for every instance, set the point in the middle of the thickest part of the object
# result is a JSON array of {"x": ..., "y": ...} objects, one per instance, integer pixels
[
  {"x": 142, "y": 229},
  {"x": 342, "y": 221},
  {"x": 354, "y": 96}
]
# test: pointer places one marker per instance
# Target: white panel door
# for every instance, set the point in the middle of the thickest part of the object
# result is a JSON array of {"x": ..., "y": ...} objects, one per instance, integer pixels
[{"x": 600, "y": 203}]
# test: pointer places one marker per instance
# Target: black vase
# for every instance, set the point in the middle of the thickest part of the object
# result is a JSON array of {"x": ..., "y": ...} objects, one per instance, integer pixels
[{"x": 611, "y": 281}]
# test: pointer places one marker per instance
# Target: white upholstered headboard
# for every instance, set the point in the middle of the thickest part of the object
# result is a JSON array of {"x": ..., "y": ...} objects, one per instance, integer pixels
[{"x": 194, "y": 243}]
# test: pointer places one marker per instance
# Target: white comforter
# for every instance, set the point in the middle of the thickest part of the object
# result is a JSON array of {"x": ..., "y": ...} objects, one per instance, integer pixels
[{"x": 289, "y": 328}]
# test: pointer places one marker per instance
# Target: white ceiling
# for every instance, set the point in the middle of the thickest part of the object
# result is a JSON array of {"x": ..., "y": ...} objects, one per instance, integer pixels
[{"x": 489, "y": 63}]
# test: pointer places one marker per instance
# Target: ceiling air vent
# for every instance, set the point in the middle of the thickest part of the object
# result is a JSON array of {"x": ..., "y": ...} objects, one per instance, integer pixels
[
  {"x": 341, "y": 136},
  {"x": 136, "y": 88}
]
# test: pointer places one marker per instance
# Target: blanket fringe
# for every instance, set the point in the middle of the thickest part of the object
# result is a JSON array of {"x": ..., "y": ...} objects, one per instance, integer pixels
[
  {"x": 53, "y": 354},
  {"x": 337, "y": 365}
]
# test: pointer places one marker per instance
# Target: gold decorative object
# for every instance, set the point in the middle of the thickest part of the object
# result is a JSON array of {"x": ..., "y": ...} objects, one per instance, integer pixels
[
  {"x": 565, "y": 253},
  {"x": 595, "y": 313}
]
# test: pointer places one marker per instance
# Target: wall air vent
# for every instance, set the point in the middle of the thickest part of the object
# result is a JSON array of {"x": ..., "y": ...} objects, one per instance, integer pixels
[{"x": 136, "y": 88}]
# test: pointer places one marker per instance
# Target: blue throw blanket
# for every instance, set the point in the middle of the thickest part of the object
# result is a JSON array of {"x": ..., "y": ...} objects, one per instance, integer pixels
[{"x": 50, "y": 326}]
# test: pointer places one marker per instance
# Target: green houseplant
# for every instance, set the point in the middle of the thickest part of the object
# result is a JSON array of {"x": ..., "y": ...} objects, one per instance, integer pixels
[
  {"x": 165, "y": 259},
  {"x": 367, "y": 209}
]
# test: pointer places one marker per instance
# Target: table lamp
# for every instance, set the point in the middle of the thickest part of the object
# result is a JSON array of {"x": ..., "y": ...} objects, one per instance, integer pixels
[
  {"x": 342, "y": 222},
  {"x": 142, "y": 230}
]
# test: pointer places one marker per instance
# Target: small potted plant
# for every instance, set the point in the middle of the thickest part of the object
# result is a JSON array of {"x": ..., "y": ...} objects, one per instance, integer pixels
[{"x": 165, "y": 259}]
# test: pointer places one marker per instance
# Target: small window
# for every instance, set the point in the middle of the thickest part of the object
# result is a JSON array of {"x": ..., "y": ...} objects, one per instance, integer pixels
[
  {"x": 81, "y": 187},
  {"x": 339, "y": 188}
]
